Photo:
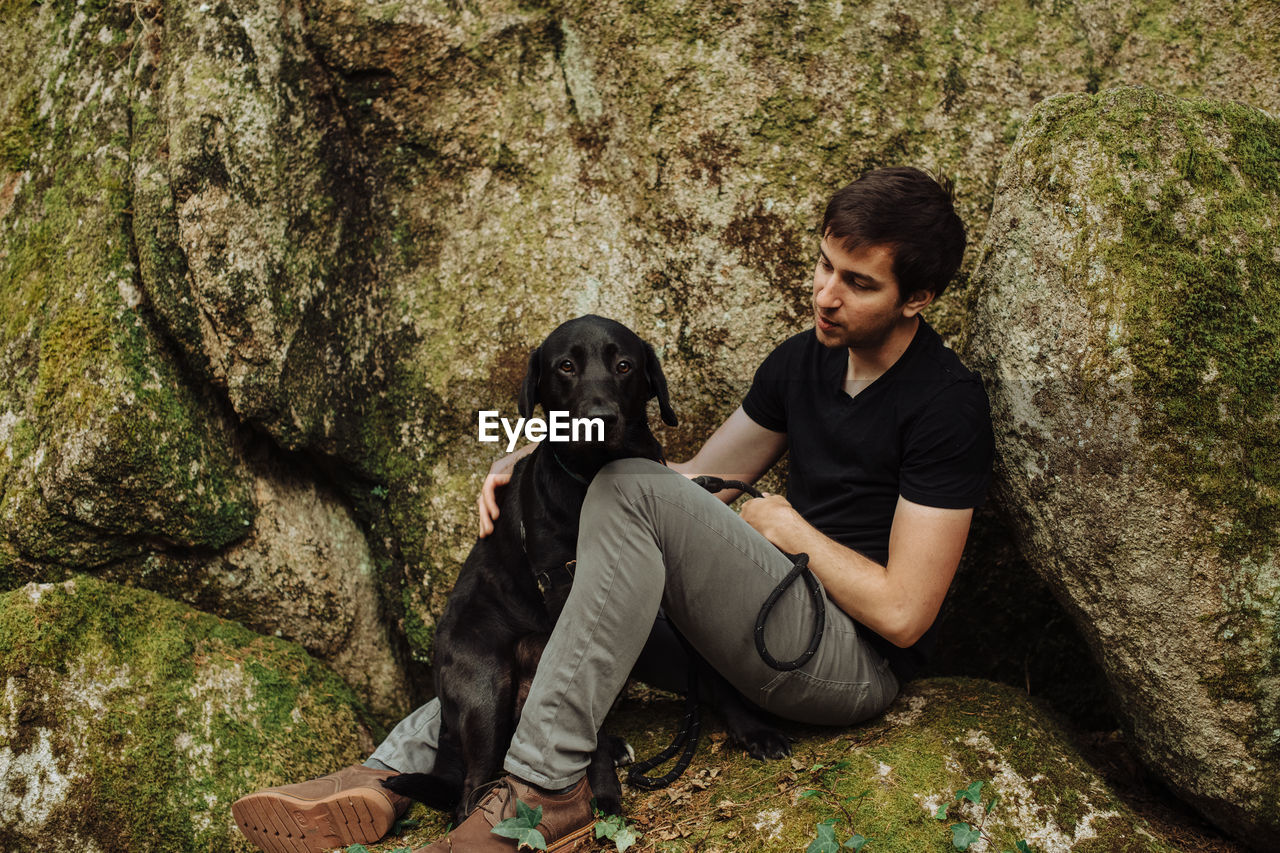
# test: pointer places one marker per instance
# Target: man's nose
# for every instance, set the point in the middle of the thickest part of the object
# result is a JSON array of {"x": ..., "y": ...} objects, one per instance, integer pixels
[{"x": 825, "y": 293}]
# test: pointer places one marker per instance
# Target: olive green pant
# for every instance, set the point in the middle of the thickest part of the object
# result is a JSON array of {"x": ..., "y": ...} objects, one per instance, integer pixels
[{"x": 651, "y": 539}]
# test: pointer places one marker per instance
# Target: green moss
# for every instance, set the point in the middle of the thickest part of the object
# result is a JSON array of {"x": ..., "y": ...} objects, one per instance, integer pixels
[
  {"x": 890, "y": 774},
  {"x": 192, "y": 712},
  {"x": 1187, "y": 301},
  {"x": 1195, "y": 268},
  {"x": 19, "y": 132},
  {"x": 83, "y": 370}
]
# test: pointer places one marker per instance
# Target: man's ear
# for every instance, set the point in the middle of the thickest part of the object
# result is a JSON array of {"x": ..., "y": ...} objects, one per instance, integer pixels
[
  {"x": 658, "y": 385},
  {"x": 529, "y": 388},
  {"x": 917, "y": 301}
]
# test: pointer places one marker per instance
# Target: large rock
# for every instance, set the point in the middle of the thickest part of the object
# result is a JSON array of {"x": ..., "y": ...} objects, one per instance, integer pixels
[
  {"x": 113, "y": 456},
  {"x": 1126, "y": 315},
  {"x": 107, "y": 451},
  {"x": 885, "y": 779},
  {"x": 304, "y": 573},
  {"x": 131, "y": 723}
]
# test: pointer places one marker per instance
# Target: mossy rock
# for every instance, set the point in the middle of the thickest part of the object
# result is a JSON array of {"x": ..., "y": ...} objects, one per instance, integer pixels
[
  {"x": 886, "y": 780},
  {"x": 666, "y": 163},
  {"x": 108, "y": 450},
  {"x": 115, "y": 457},
  {"x": 130, "y": 723},
  {"x": 1125, "y": 314}
]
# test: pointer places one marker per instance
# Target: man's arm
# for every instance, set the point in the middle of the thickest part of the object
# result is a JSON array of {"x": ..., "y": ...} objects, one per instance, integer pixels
[
  {"x": 740, "y": 449},
  {"x": 898, "y": 601}
]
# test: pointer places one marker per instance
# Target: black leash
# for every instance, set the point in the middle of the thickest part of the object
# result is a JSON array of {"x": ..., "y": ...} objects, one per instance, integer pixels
[
  {"x": 686, "y": 738},
  {"x": 691, "y": 726},
  {"x": 799, "y": 568}
]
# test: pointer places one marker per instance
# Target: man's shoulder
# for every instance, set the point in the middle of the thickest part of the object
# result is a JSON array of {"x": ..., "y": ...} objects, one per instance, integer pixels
[
  {"x": 938, "y": 361},
  {"x": 799, "y": 348},
  {"x": 800, "y": 342},
  {"x": 937, "y": 384}
]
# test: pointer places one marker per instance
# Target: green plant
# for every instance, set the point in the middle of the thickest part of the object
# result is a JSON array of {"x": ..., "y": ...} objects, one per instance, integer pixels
[
  {"x": 823, "y": 790},
  {"x": 963, "y": 833},
  {"x": 614, "y": 828},
  {"x": 523, "y": 827},
  {"x": 826, "y": 842}
]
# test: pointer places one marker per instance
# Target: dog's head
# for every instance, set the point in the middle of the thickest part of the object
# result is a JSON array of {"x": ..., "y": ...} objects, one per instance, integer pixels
[{"x": 593, "y": 367}]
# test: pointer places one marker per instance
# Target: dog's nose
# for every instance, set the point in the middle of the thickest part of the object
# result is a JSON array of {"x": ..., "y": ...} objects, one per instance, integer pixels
[{"x": 607, "y": 414}]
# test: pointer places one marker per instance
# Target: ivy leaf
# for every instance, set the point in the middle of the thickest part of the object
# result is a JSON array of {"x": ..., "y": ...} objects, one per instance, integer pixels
[
  {"x": 942, "y": 811},
  {"x": 1024, "y": 847},
  {"x": 991, "y": 805},
  {"x": 357, "y": 848},
  {"x": 523, "y": 828},
  {"x": 625, "y": 838},
  {"x": 962, "y": 835},
  {"x": 826, "y": 840},
  {"x": 804, "y": 795},
  {"x": 973, "y": 793},
  {"x": 856, "y": 842},
  {"x": 614, "y": 828}
]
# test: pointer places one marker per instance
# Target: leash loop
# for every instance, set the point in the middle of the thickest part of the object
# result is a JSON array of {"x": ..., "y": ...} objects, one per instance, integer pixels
[{"x": 799, "y": 568}]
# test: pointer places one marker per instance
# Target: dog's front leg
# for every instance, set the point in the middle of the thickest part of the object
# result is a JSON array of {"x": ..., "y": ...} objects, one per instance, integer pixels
[
  {"x": 485, "y": 728},
  {"x": 611, "y": 753}
]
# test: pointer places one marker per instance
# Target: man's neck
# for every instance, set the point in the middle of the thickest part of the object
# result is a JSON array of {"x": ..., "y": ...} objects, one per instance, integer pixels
[{"x": 867, "y": 364}]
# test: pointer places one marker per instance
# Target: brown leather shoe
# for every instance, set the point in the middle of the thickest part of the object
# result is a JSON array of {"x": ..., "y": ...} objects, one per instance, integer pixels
[
  {"x": 347, "y": 807},
  {"x": 567, "y": 823}
]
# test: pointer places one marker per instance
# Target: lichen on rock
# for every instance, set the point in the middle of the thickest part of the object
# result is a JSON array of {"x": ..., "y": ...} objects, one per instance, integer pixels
[
  {"x": 1126, "y": 316},
  {"x": 130, "y": 723}
]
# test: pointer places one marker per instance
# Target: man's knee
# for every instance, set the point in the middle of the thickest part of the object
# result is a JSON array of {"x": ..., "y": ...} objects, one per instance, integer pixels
[{"x": 627, "y": 479}]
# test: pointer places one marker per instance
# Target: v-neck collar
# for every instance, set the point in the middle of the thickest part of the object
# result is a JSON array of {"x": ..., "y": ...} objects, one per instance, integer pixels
[{"x": 841, "y": 362}]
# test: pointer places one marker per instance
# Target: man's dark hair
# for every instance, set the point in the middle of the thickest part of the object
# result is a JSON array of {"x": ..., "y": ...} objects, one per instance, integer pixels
[{"x": 906, "y": 209}]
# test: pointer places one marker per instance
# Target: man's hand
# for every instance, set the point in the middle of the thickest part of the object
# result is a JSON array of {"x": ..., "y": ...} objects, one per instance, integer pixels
[
  {"x": 774, "y": 518},
  {"x": 499, "y": 475},
  {"x": 898, "y": 601}
]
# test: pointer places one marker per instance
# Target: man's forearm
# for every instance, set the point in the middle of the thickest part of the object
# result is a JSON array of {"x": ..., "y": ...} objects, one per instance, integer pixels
[{"x": 856, "y": 584}]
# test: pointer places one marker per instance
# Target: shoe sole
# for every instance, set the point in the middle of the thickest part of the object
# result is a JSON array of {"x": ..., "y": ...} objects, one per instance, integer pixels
[
  {"x": 279, "y": 823},
  {"x": 574, "y": 840}
]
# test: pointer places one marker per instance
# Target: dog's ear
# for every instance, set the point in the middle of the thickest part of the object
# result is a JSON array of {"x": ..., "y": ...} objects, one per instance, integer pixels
[
  {"x": 529, "y": 388},
  {"x": 658, "y": 385}
]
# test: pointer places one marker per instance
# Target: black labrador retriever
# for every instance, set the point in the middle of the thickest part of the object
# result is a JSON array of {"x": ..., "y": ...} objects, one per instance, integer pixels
[{"x": 513, "y": 584}]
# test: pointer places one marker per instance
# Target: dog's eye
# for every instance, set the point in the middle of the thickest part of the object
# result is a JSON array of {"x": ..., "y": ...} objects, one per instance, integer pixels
[
  {"x": 623, "y": 367},
  {"x": 566, "y": 366}
]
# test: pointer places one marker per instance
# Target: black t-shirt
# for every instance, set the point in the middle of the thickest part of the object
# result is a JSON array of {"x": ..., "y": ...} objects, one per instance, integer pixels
[{"x": 922, "y": 430}]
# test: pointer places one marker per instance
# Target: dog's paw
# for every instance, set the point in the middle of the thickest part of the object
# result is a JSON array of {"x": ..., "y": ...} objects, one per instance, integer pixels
[
  {"x": 619, "y": 750},
  {"x": 608, "y": 804},
  {"x": 425, "y": 788},
  {"x": 763, "y": 743}
]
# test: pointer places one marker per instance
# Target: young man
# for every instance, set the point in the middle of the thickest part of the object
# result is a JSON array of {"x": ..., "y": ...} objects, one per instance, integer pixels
[{"x": 890, "y": 450}]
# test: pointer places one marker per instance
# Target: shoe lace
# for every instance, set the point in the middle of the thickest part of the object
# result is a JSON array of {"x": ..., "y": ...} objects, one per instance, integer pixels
[{"x": 491, "y": 797}]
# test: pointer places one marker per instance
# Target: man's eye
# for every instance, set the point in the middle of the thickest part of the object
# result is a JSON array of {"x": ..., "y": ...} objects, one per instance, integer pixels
[
  {"x": 566, "y": 366},
  {"x": 623, "y": 367}
]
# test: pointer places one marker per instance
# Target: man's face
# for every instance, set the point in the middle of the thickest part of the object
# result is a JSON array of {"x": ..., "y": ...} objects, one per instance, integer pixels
[{"x": 855, "y": 296}]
